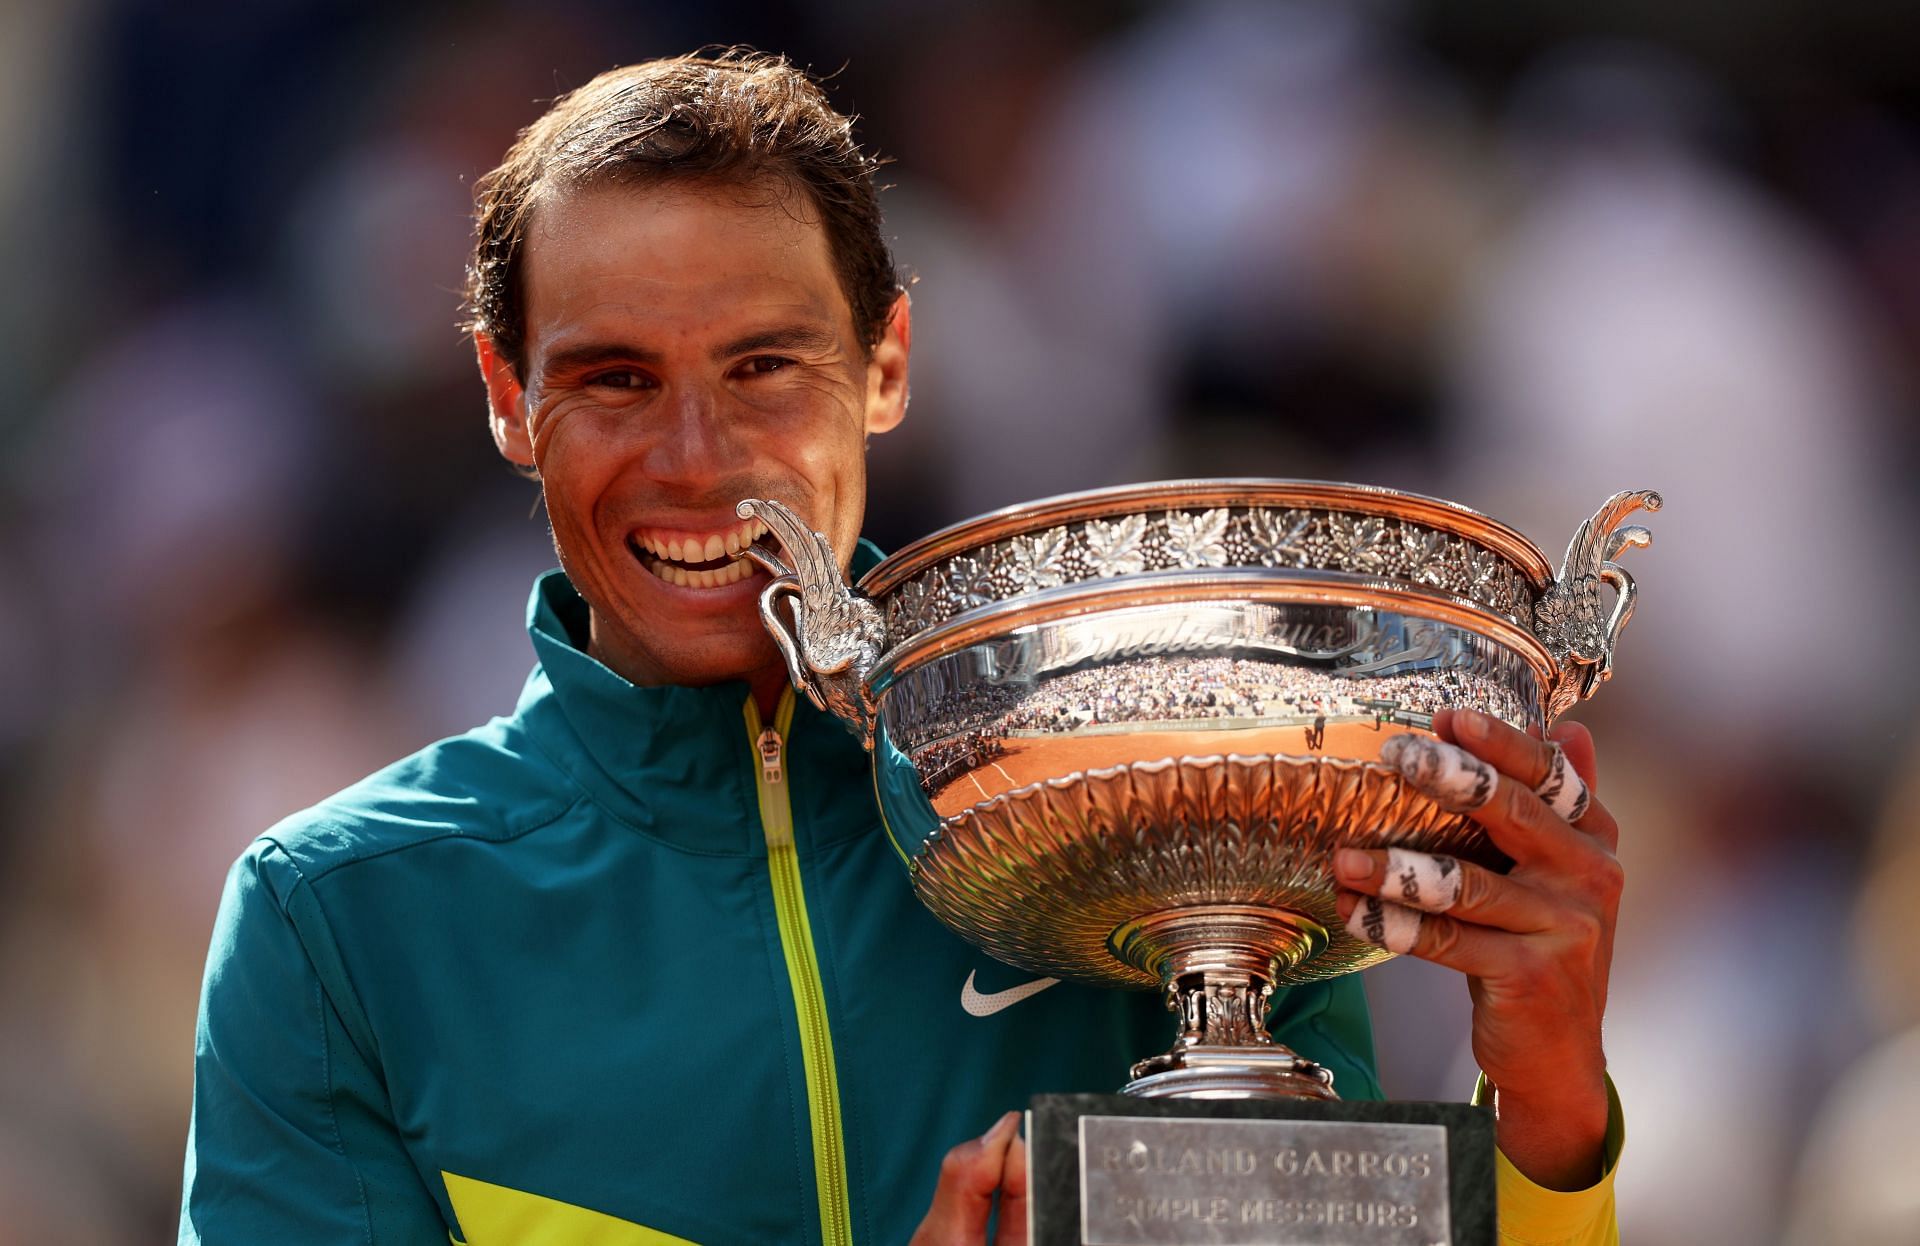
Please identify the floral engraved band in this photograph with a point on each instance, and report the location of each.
(1117, 736)
(1219, 538)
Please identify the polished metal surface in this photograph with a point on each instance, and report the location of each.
(1117, 735)
(1197, 1071)
(835, 636)
(1192, 1181)
(1254, 662)
(1296, 538)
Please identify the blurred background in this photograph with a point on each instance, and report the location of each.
(254, 540)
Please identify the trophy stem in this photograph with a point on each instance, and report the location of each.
(1218, 964)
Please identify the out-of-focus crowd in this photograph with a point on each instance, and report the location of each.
(255, 542)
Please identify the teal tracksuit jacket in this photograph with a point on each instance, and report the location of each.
(622, 968)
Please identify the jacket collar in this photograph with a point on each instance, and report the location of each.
(676, 763)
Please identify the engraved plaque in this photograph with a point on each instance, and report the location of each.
(1120, 1170)
(1183, 1180)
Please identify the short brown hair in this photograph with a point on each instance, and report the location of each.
(734, 115)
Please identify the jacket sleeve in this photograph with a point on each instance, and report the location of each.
(291, 1137)
(1532, 1215)
(1328, 1022)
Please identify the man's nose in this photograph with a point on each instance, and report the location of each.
(695, 442)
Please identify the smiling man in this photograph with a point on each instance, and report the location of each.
(636, 963)
(688, 343)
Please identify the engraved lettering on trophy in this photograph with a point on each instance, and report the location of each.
(1140, 1212)
(1337, 1163)
(1141, 1157)
(1235, 1181)
(1286, 1211)
(1252, 627)
(1352, 642)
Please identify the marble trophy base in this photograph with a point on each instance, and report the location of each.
(1120, 1170)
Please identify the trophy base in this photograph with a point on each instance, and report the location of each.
(1218, 964)
(1201, 1071)
(1119, 1170)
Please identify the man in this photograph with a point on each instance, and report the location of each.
(636, 964)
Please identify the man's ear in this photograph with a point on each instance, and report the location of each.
(506, 403)
(887, 370)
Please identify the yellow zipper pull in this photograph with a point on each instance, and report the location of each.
(769, 746)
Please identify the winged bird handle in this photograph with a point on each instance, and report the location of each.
(835, 635)
(1571, 618)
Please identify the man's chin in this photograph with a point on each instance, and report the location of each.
(767, 675)
(696, 657)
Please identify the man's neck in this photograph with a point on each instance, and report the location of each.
(767, 686)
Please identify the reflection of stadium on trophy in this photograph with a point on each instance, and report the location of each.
(1293, 710)
(1108, 689)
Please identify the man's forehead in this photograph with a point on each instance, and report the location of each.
(677, 255)
(720, 302)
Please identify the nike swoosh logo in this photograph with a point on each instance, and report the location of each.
(979, 1005)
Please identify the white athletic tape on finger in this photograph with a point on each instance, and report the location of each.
(1421, 880)
(1456, 779)
(1563, 790)
(1391, 926)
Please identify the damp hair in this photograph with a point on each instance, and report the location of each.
(730, 117)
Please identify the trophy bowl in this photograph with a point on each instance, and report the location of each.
(1118, 735)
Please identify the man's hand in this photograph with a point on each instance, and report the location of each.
(970, 1175)
(1536, 943)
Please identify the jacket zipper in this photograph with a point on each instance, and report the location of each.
(803, 968)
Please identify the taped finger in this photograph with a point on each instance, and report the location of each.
(1394, 927)
(1456, 779)
(1563, 790)
(1421, 880)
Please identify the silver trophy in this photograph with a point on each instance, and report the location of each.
(1118, 735)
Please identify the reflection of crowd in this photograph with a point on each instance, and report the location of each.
(960, 731)
(1198, 689)
(1213, 690)
(944, 761)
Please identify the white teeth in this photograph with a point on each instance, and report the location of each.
(718, 577)
(708, 549)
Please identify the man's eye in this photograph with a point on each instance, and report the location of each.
(761, 364)
(624, 378)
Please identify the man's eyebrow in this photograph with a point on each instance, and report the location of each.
(801, 337)
(592, 355)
